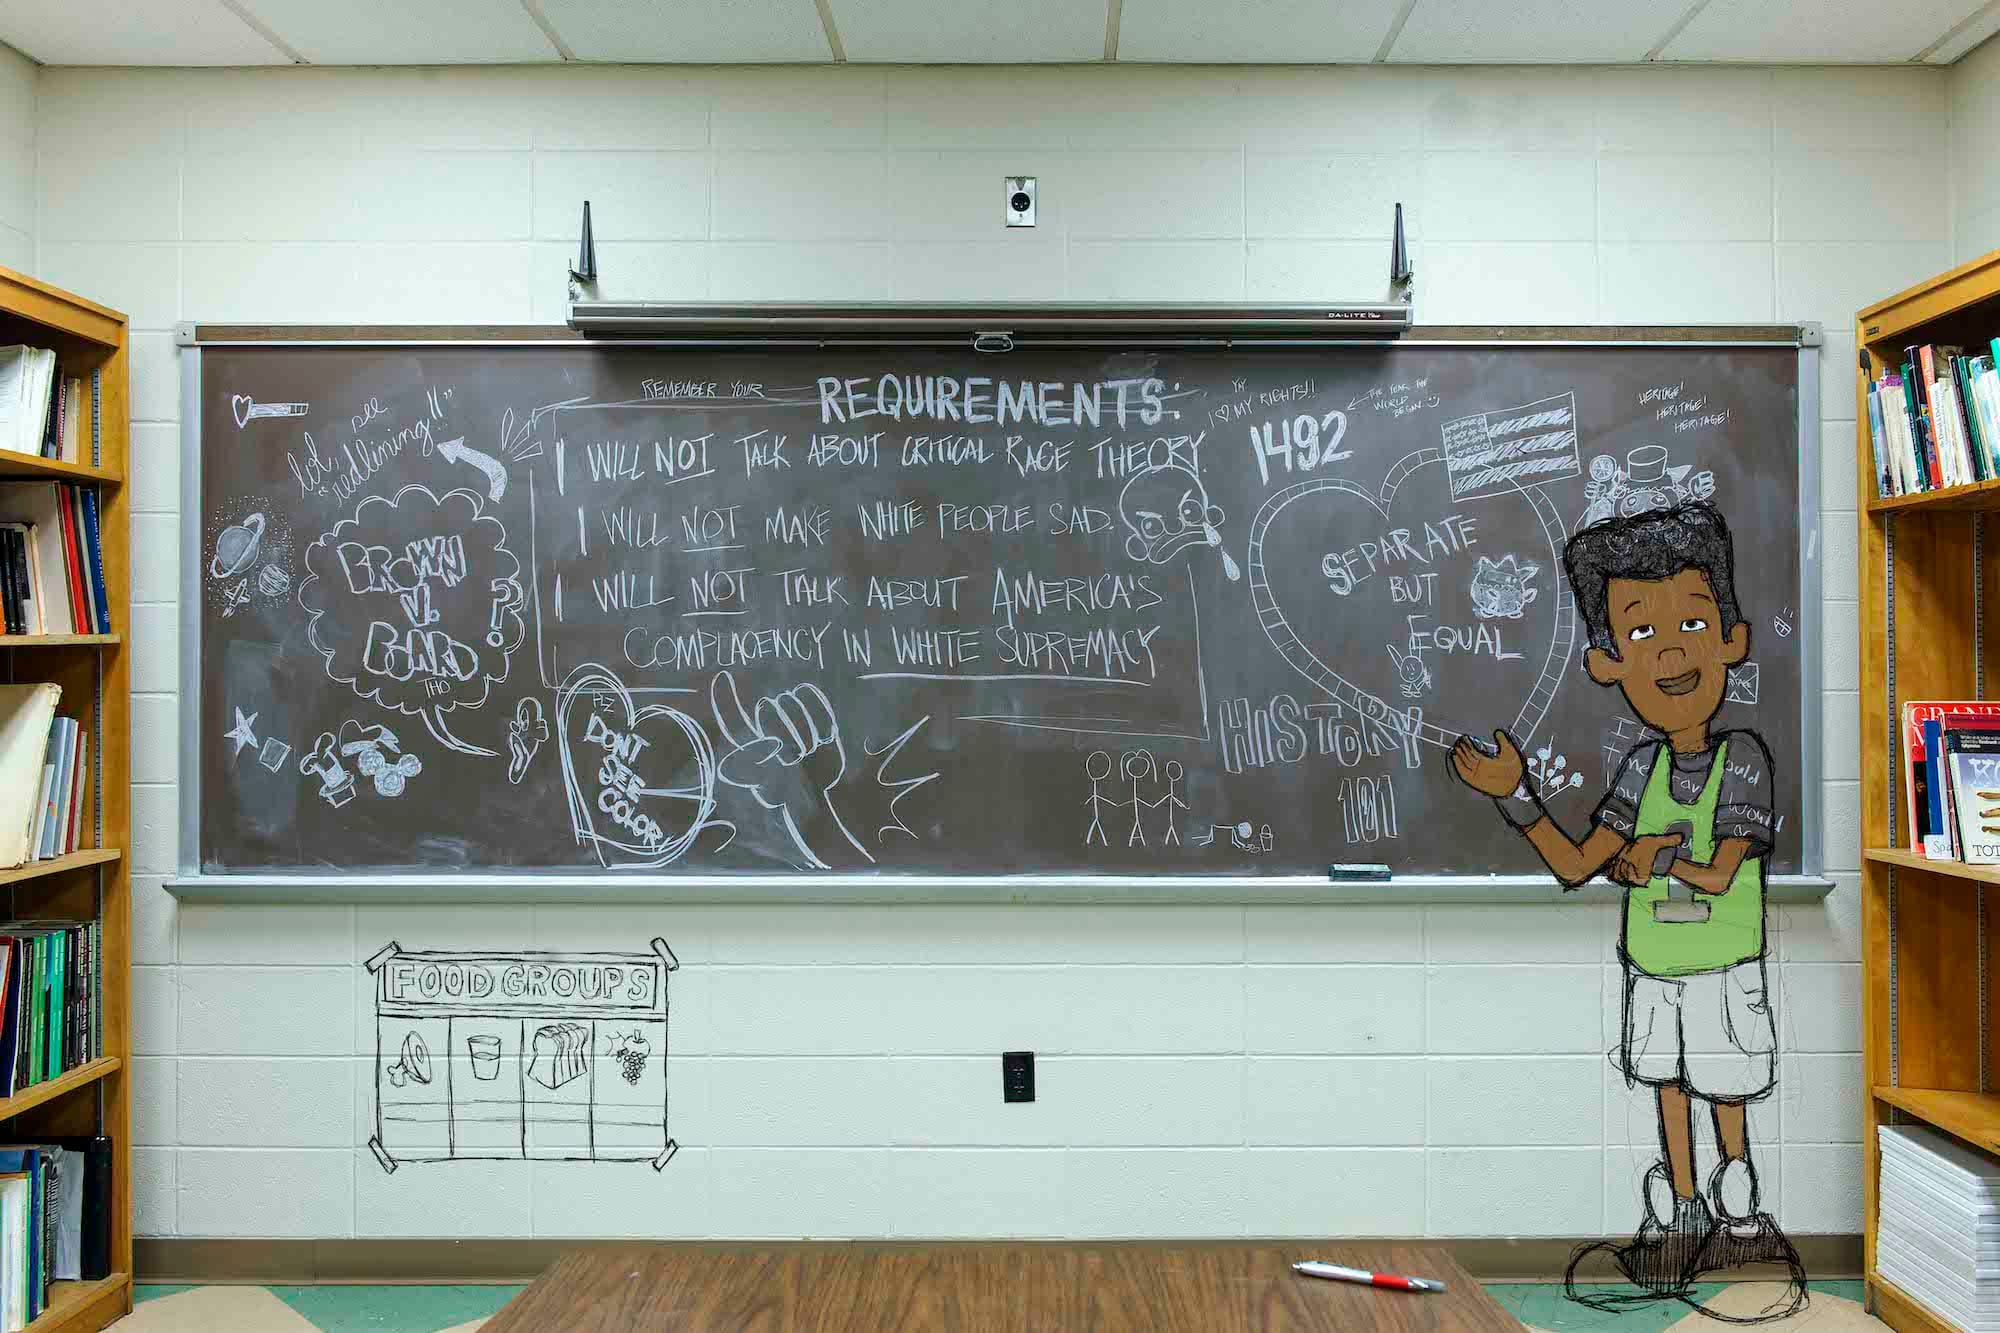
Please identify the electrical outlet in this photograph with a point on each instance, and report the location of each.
(1017, 1076)
(1020, 201)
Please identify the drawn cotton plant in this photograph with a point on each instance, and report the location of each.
(1551, 774)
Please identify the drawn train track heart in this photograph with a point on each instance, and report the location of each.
(1473, 639)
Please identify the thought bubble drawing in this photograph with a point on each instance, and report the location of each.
(416, 604)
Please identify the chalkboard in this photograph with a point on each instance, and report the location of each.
(920, 611)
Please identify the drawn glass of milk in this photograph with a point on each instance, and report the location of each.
(485, 1052)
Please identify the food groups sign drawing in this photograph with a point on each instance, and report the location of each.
(521, 1056)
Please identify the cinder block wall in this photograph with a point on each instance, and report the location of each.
(1205, 1071)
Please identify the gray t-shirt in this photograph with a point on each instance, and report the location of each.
(1742, 806)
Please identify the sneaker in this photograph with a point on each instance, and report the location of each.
(1661, 1255)
(1733, 1190)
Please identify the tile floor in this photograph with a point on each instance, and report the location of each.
(412, 1309)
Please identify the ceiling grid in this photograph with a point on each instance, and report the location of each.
(391, 32)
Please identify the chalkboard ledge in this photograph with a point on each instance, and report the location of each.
(1417, 890)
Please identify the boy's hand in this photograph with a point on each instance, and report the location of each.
(1634, 866)
(1497, 775)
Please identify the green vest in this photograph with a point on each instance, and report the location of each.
(1734, 930)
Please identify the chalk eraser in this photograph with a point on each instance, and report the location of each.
(1357, 871)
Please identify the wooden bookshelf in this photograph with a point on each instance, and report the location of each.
(76, 1307)
(22, 466)
(55, 640)
(1977, 495)
(1972, 1116)
(1900, 1310)
(1929, 1051)
(89, 856)
(1909, 860)
(94, 671)
(35, 1094)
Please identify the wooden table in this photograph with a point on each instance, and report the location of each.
(1146, 1287)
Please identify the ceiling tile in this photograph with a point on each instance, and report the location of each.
(689, 31)
(1251, 31)
(1530, 31)
(1962, 42)
(970, 31)
(1816, 31)
(120, 32)
(398, 32)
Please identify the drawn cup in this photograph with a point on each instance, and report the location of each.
(485, 1053)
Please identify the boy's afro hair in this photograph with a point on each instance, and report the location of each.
(1655, 545)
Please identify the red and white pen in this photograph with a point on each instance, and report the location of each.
(1335, 1273)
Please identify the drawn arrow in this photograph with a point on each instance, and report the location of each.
(457, 451)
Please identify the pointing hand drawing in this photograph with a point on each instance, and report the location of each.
(1634, 866)
(786, 751)
(1498, 774)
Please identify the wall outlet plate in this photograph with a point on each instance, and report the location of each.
(1017, 1076)
(1020, 201)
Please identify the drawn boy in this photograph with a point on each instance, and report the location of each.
(1686, 827)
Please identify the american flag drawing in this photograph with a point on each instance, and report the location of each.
(1494, 452)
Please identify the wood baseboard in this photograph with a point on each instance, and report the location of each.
(1826, 1257)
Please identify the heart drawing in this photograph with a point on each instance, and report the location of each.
(640, 781)
(240, 406)
(1383, 583)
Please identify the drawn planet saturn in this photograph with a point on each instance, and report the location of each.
(236, 548)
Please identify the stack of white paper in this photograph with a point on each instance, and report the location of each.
(27, 379)
(1939, 1233)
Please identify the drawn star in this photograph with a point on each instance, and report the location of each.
(241, 732)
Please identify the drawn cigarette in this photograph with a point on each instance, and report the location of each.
(247, 409)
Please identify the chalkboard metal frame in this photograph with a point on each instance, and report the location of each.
(193, 334)
(191, 885)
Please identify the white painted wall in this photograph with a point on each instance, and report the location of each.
(1205, 1070)
(1974, 84)
(17, 159)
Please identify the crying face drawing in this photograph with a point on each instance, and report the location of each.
(1502, 589)
(1166, 510)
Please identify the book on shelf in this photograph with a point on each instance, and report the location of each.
(1934, 421)
(49, 1008)
(51, 564)
(41, 408)
(55, 1221)
(1972, 777)
(1951, 753)
(44, 775)
(27, 714)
